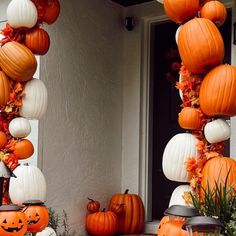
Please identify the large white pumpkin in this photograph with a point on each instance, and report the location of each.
(177, 195)
(48, 231)
(30, 184)
(217, 131)
(176, 152)
(35, 100)
(22, 13)
(19, 127)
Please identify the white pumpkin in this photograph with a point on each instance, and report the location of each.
(177, 195)
(160, 1)
(217, 131)
(22, 13)
(35, 100)
(48, 231)
(176, 152)
(19, 127)
(29, 184)
(177, 34)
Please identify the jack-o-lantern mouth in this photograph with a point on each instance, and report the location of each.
(32, 222)
(12, 229)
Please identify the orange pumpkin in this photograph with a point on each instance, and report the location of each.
(38, 41)
(214, 11)
(23, 149)
(37, 217)
(17, 61)
(201, 46)
(102, 223)
(4, 88)
(164, 220)
(12, 221)
(182, 10)
(93, 206)
(172, 228)
(218, 92)
(132, 219)
(51, 11)
(3, 140)
(190, 118)
(216, 171)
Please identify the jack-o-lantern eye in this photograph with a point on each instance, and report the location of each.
(20, 221)
(36, 214)
(5, 221)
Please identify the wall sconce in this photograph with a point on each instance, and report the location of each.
(234, 39)
(204, 226)
(129, 23)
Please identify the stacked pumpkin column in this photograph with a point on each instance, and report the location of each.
(23, 98)
(208, 89)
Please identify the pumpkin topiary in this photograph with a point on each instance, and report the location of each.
(201, 46)
(181, 10)
(216, 170)
(177, 197)
(17, 61)
(19, 127)
(190, 118)
(51, 11)
(102, 223)
(131, 221)
(93, 206)
(218, 92)
(4, 88)
(38, 41)
(214, 11)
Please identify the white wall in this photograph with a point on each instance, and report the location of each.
(80, 136)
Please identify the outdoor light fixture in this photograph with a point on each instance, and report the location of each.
(181, 211)
(203, 226)
(129, 23)
(234, 39)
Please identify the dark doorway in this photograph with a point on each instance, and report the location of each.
(165, 103)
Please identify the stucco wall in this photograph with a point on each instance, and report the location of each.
(80, 136)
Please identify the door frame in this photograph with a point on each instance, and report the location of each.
(145, 170)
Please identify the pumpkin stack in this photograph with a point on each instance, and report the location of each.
(23, 98)
(208, 90)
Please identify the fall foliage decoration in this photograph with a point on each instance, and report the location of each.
(131, 221)
(102, 223)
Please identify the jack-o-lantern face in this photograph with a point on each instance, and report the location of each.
(37, 218)
(12, 223)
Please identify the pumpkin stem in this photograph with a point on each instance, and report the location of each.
(90, 199)
(104, 209)
(126, 191)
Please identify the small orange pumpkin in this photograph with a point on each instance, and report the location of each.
(3, 140)
(164, 220)
(23, 149)
(214, 11)
(17, 61)
(93, 206)
(182, 10)
(132, 219)
(201, 46)
(51, 11)
(38, 41)
(172, 228)
(216, 170)
(37, 216)
(190, 118)
(4, 88)
(218, 92)
(12, 221)
(102, 223)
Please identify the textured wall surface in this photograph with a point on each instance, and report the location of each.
(80, 135)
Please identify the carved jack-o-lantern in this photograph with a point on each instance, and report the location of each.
(37, 216)
(12, 221)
